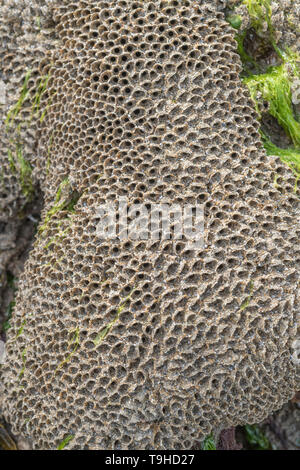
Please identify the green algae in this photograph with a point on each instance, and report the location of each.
(41, 89)
(235, 21)
(21, 168)
(23, 357)
(65, 442)
(260, 11)
(290, 156)
(209, 443)
(74, 344)
(25, 172)
(274, 86)
(246, 303)
(9, 312)
(256, 438)
(103, 333)
(15, 110)
(21, 329)
(61, 203)
(248, 62)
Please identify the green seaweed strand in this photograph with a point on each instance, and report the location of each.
(275, 88)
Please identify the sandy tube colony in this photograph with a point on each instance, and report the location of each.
(144, 343)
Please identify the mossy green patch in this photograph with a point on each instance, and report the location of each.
(23, 356)
(246, 303)
(15, 110)
(35, 101)
(256, 438)
(6, 324)
(290, 156)
(74, 344)
(65, 442)
(274, 87)
(38, 22)
(11, 161)
(209, 443)
(25, 172)
(21, 329)
(101, 336)
(235, 21)
(43, 114)
(41, 89)
(61, 203)
(22, 169)
(58, 237)
(18, 164)
(260, 11)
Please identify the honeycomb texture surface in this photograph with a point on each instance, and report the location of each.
(26, 35)
(147, 104)
(26, 31)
